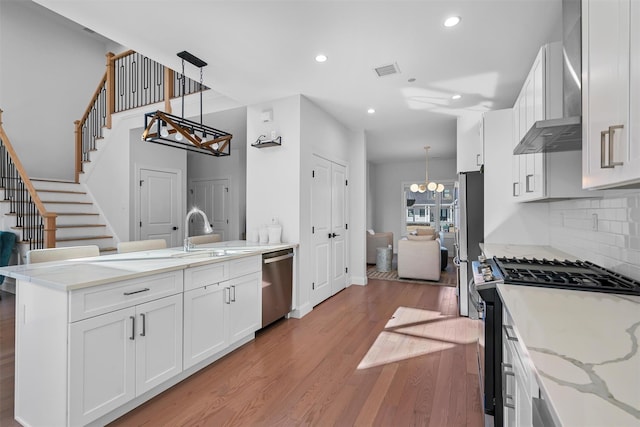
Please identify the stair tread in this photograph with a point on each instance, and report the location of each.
(108, 249)
(62, 226)
(66, 202)
(64, 181)
(70, 239)
(61, 191)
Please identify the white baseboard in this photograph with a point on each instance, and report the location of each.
(359, 280)
(299, 313)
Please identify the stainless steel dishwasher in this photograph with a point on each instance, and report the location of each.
(277, 285)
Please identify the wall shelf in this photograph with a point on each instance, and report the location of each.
(262, 143)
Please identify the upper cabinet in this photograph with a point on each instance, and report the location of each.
(610, 93)
(543, 176)
(470, 142)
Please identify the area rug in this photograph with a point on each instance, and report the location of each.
(447, 278)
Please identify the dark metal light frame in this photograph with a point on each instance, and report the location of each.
(196, 137)
(192, 134)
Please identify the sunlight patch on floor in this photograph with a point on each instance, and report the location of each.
(413, 332)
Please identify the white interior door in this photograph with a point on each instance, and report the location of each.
(212, 196)
(338, 227)
(160, 206)
(328, 220)
(321, 229)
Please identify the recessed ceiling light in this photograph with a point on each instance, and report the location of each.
(321, 58)
(371, 111)
(452, 21)
(456, 96)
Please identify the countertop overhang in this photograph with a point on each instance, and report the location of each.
(80, 273)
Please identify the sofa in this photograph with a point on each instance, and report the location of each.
(377, 240)
(419, 256)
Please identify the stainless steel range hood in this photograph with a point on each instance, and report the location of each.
(562, 134)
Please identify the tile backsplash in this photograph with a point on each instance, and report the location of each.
(605, 231)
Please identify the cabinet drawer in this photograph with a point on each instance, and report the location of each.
(198, 277)
(244, 266)
(88, 302)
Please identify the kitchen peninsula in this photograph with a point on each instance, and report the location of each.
(96, 337)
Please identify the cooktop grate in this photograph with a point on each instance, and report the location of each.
(564, 274)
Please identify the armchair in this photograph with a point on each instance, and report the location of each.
(377, 240)
(419, 257)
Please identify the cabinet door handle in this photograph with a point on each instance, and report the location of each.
(511, 337)
(136, 292)
(227, 296)
(478, 160)
(507, 399)
(516, 189)
(144, 324)
(612, 131)
(529, 188)
(603, 138)
(133, 328)
(233, 299)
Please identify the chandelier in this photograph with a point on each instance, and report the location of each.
(427, 185)
(173, 131)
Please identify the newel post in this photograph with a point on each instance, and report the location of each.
(78, 132)
(49, 230)
(111, 88)
(168, 89)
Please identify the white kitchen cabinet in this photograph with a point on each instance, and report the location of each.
(518, 384)
(540, 176)
(217, 313)
(122, 354)
(102, 357)
(610, 93)
(470, 142)
(534, 103)
(205, 323)
(244, 305)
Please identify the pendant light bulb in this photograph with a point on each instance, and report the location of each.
(440, 188)
(179, 136)
(215, 146)
(164, 132)
(432, 186)
(414, 188)
(422, 188)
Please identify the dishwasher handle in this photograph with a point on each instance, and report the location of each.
(278, 258)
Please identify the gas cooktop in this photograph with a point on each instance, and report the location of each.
(576, 275)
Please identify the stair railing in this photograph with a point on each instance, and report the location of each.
(38, 226)
(130, 81)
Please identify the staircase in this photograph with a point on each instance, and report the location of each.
(79, 222)
(50, 213)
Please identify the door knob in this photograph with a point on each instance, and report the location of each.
(330, 235)
(175, 228)
(334, 235)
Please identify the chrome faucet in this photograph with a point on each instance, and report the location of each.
(207, 227)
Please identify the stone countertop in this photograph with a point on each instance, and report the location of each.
(584, 350)
(524, 251)
(85, 272)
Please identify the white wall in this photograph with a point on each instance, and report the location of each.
(49, 69)
(273, 173)
(505, 220)
(386, 181)
(358, 208)
(234, 167)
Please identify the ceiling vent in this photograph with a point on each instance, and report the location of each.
(387, 70)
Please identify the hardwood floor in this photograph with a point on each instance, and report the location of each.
(358, 359)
